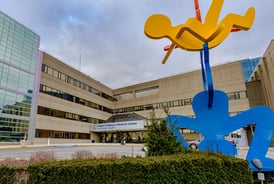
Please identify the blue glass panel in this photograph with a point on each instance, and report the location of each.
(248, 66)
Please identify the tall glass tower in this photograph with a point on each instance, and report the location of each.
(19, 80)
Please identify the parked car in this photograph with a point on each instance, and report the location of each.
(194, 144)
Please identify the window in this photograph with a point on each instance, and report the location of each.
(63, 77)
(124, 96)
(242, 94)
(187, 102)
(231, 96)
(50, 71)
(44, 68)
(176, 103)
(147, 91)
(55, 73)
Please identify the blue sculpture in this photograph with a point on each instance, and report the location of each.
(211, 106)
(214, 123)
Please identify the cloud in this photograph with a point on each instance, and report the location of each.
(109, 35)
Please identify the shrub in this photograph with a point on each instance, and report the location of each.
(160, 138)
(42, 156)
(107, 155)
(83, 154)
(192, 167)
(13, 171)
(13, 162)
(86, 154)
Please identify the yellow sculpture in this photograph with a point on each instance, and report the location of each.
(193, 34)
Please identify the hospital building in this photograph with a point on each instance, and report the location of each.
(43, 99)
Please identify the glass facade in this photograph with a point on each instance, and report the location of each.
(248, 66)
(18, 72)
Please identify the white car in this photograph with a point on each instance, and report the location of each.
(194, 144)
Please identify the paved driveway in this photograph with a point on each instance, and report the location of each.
(65, 151)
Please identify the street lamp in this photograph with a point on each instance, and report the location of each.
(258, 164)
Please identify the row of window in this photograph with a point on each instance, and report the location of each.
(18, 45)
(12, 130)
(68, 97)
(19, 34)
(13, 122)
(138, 93)
(16, 109)
(174, 103)
(21, 59)
(12, 25)
(75, 82)
(10, 42)
(67, 115)
(4, 129)
(18, 48)
(237, 95)
(7, 136)
(16, 104)
(147, 91)
(160, 105)
(15, 79)
(6, 21)
(39, 133)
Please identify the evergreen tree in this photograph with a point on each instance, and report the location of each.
(161, 139)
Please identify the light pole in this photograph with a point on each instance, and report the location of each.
(258, 164)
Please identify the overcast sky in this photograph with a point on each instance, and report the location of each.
(107, 36)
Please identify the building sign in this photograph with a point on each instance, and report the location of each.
(118, 126)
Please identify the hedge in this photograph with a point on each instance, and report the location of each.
(195, 167)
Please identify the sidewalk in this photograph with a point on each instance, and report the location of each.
(5, 147)
(246, 148)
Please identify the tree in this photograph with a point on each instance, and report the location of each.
(161, 139)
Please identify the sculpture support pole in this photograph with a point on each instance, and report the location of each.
(203, 69)
(206, 74)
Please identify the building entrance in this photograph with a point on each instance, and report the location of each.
(118, 137)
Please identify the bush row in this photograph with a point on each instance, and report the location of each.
(195, 167)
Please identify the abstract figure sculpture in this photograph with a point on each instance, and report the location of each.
(193, 34)
(214, 123)
(210, 106)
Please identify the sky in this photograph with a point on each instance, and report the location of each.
(105, 39)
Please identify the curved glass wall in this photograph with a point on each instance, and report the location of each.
(18, 68)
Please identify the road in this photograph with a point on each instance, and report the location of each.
(67, 150)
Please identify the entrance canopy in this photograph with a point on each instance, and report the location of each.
(120, 122)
